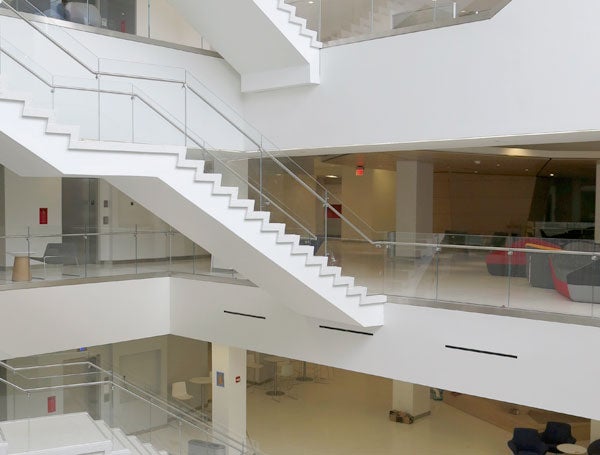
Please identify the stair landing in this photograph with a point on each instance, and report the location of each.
(69, 434)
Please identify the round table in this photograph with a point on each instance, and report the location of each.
(21, 268)
(572, 449)
(201, 381)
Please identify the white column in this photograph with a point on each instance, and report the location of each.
(229, 397)
(411, 398)
(594, 430)
(597, 215)
(414, 202)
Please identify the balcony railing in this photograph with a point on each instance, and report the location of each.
(75, 387)
(342, 21)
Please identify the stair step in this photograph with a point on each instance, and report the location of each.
(150, 448)
(126, 442)
(294, 239)
(374, 299)
(37, 112)
(118, 448)
(138, 445)
(259, 215)
(330, 270)
(273, 227)
(343, 281)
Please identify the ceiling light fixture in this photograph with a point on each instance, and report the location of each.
(331, 176)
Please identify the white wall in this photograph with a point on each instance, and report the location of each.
(482, 204)
(409, 347)
(24, 196)
(526, 71)
(113, 116)
(92, 314)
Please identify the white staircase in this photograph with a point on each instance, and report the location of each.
(263, 40)
(195, 203)
(70, 434)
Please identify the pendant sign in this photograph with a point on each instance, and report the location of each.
(43, 215)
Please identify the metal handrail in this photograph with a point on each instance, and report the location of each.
(183, 130)
(154, 400)
(324, 201)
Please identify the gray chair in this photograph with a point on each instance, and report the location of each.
(59, 254)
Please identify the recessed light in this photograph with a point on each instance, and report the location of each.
(551, 174)
(477, 162)
(476, 172)
(331, 176)
(497, 164)
(526, 170)
(311, 2)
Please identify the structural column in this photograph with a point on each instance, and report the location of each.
(229, 389)
(414, 202)
(597, 212)
(594, 430)
(411, 398)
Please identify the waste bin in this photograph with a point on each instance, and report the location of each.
(199, 447)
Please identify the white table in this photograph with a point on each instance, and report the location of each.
(21, 268)
(275, 359)
(201, 381)
(572, 449)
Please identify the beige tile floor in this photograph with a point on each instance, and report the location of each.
(346, 413)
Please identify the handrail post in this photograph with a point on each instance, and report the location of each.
(135, 237)
(260, 177)
(325, 207)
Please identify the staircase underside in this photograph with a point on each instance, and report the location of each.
(267, 44)
(196, 204)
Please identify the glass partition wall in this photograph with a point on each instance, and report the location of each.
(105, 409)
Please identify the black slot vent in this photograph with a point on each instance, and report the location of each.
(479, 351)
(235, 313)
(345, 330)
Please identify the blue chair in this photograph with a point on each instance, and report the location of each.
(526, 441)
(557, 433)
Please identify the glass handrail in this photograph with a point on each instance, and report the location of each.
(340, 21)
(33, 384)
(450, 268)
(266, 149)
(136, 93)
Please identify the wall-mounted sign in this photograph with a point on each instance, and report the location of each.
(51, 404)
(238, 379)
(220, 379)
(43, 215)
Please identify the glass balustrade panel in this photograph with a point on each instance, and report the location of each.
(410, 265)
(469, 272)
(22, 75)
(116, 252)
(341, 19)
(153, 250)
